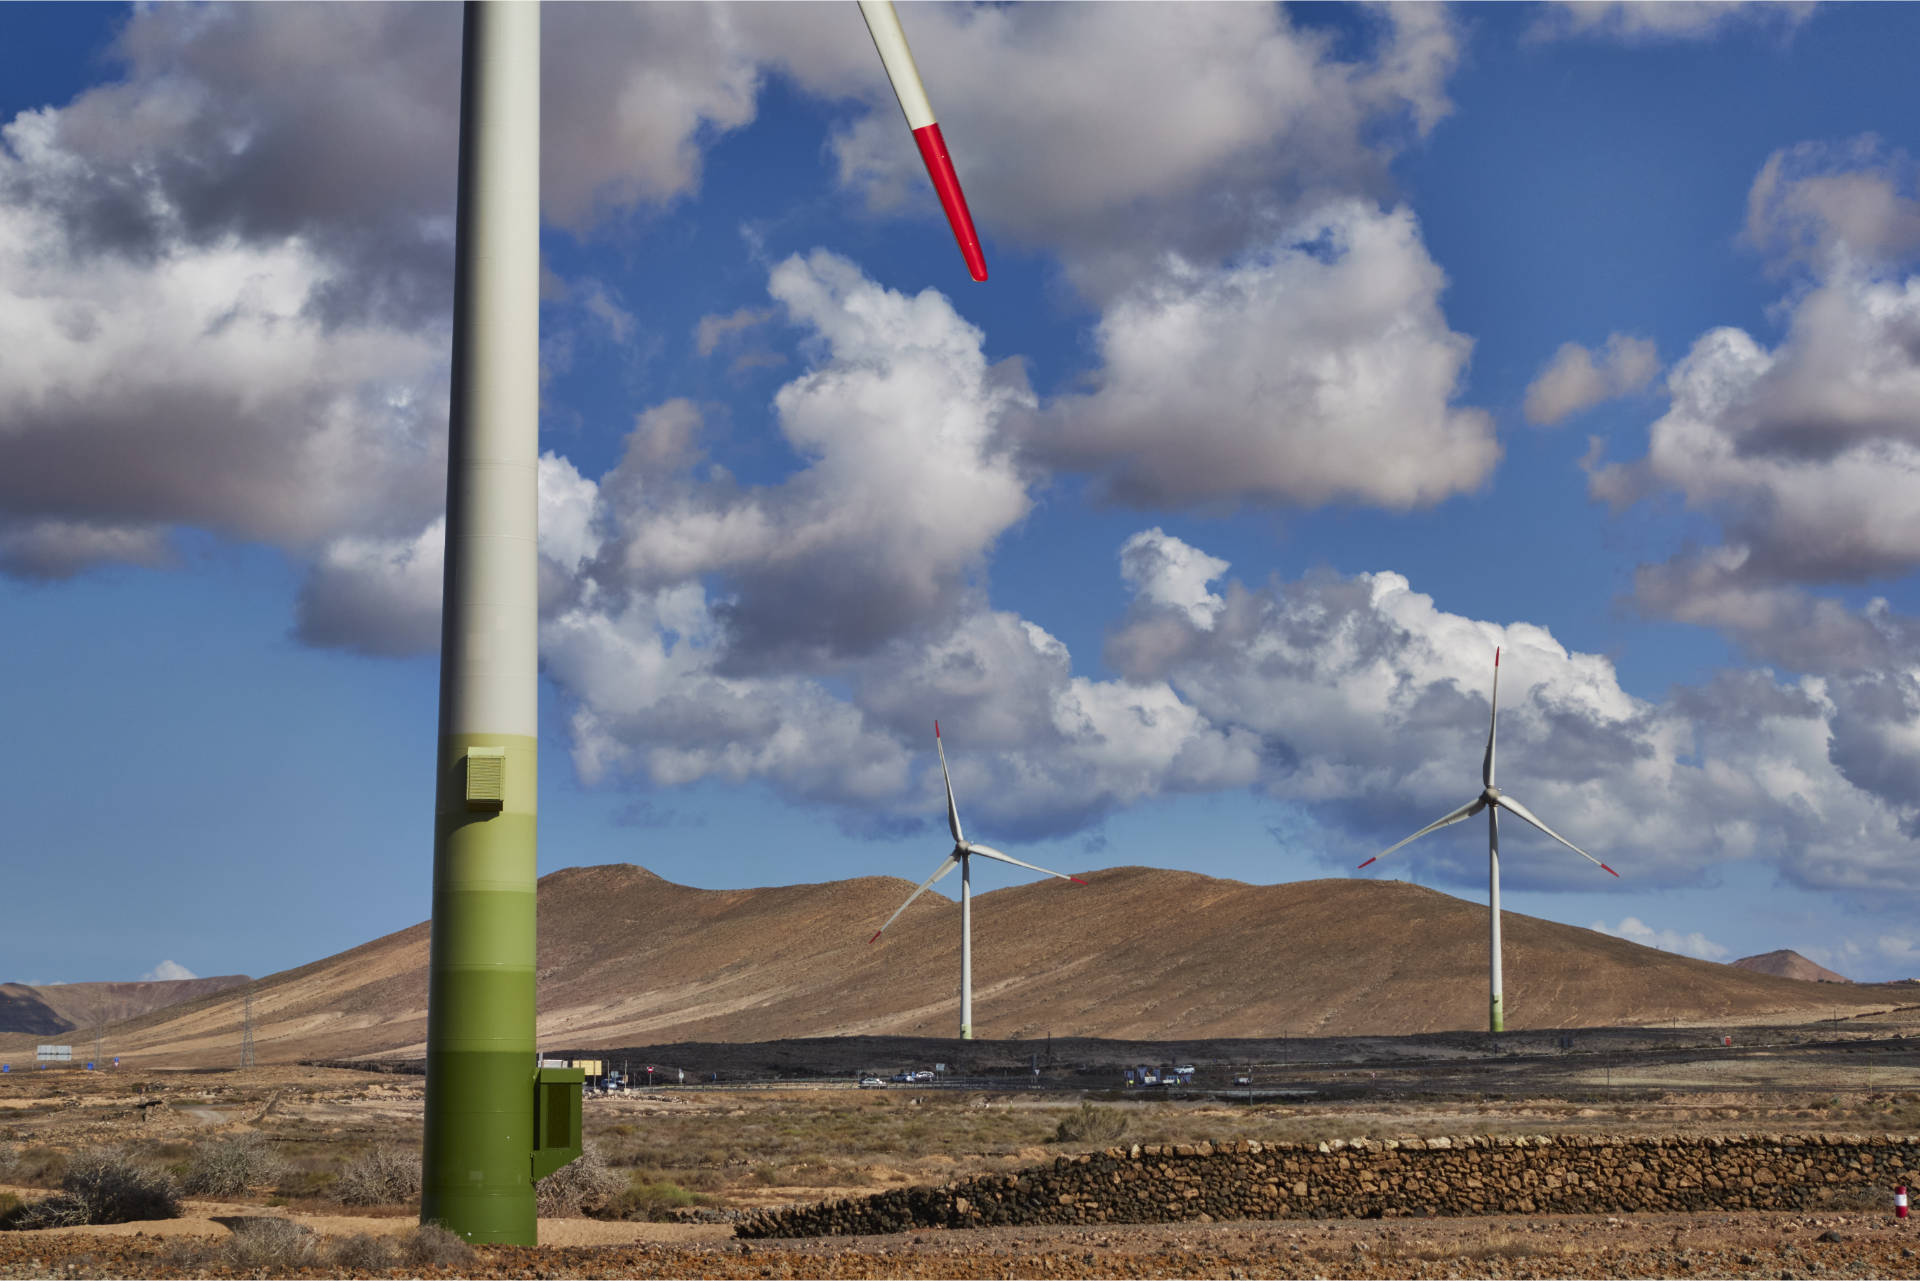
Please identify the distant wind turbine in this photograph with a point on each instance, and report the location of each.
(963, 850)
(1493, 800)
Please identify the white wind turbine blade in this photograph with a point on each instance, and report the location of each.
(1521, 811)
(984, 852)
(953, 813)
(947, 865)
(1493, 721)
(1468, 810)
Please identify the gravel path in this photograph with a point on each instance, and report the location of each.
(1705, 1245)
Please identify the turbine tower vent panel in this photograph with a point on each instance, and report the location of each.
(486, 778)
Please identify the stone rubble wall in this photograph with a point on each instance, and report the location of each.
(1368, 1178)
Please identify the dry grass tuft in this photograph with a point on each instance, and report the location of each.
(273, 1245)
(584, 1183)
(432, 1246)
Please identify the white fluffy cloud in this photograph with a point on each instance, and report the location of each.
(167, 972)
(1807, 453)
(1573, 380)
(1692, 943)
(1321, 371)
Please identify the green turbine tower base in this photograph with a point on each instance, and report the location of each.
(496, 1121)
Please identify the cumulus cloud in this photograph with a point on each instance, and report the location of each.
(1636, 21)
(1320, 371)
(1573, 380)
(167, 972)
(1806, 453)
(1824, 204)
(905, 484)
(1692, 943)
(1370, 706)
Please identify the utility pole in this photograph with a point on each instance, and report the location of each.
(246, 1030)
(496, 1120)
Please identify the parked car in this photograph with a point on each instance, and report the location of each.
(871, 1083)
(923, 1075)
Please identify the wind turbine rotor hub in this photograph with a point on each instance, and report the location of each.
(1491, 796)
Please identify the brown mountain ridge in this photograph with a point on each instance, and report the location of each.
(1789, 964)
(627, 958)
(48, 1009)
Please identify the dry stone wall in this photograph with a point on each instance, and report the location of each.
(1365, 1178)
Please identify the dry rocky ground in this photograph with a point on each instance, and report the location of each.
(692, 1158)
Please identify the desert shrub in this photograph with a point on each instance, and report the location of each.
(432, 1246)
(273, 1245)
(57, 1211)
(233, 1166)
(362, 1252)
(584, 1182)
(111, 1187)
(380, 1176)
(1090, 1123)
(653, 1199)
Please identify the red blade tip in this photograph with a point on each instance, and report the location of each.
(946, 183)
(876, 937)
(1496, 656)
(1374, 859)
(936, 729)
(1076, 880)
(1609, 870)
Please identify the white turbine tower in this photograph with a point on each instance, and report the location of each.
(963, 850)
(1493, 800)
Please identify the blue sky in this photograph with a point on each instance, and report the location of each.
(1325, 349)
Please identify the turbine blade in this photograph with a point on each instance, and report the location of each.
(953, 813)
(1468, 810)
(883, 24)
(951, 862)
(1493, 721)
(985, 852)
(1522, 811)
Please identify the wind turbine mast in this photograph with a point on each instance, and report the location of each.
(1493, 800)
(495, 1120)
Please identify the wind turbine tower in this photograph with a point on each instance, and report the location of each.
(496, 1119)
(963, 852)
(1493, 800)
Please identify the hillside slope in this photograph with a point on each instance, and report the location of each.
(627, 958)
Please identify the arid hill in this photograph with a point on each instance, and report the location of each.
(51, 1008)
(1789, 964)
(627, 958)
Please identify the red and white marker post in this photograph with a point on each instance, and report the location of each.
(1900, 1202)
(884, 26)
